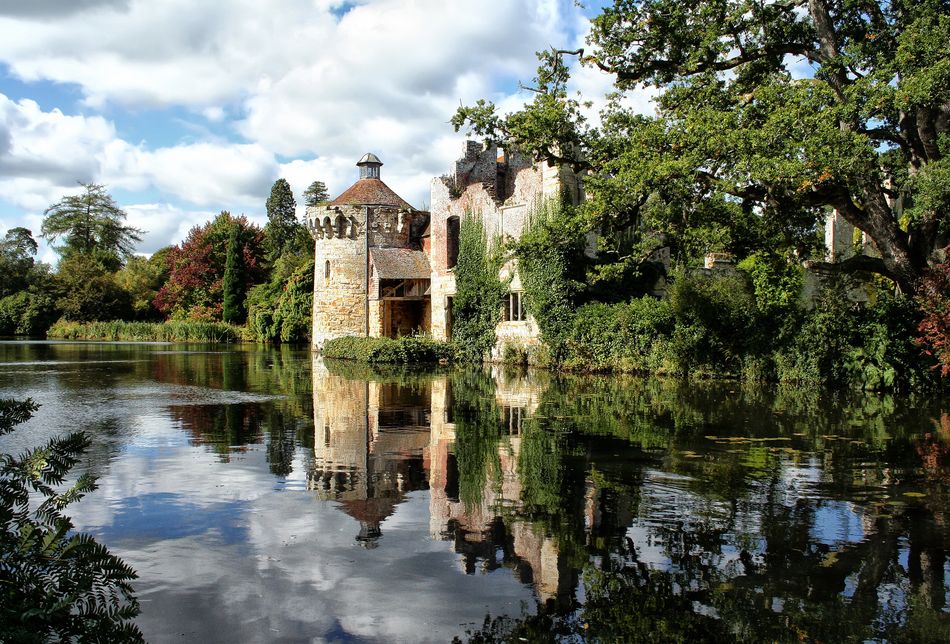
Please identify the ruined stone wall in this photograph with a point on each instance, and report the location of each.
(443, 279)
(519, 334)
(503, 193)
(389, 227)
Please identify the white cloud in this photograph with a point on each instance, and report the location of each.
(199, 173)
(308, 89)
(163, 224)
(40, 152)
(215, 114)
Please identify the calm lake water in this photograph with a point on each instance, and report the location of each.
(263, 496)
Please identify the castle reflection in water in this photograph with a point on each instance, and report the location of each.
(377, 441)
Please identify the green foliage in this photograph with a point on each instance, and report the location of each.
(548, 255)
(142, 279)
(281, 309)
(715, 322)
(55, 585)
(87, 290)
(552, 127)
(840, 343)
(194, 290)
(171, 331)
(627, 337)
(315, 194)
(27, 313)
(90, 224)
(16, 260)
(476, 306)
(404, 350)
(776, 282)
(282, 230)
(884, 355)
(232, 309)
(744, 151)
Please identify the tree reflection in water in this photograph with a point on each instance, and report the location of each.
(656, 510)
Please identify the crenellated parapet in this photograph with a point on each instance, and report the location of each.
(331, 222)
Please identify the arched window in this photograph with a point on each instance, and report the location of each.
(326, 270)
(340, 226)
(452, 242)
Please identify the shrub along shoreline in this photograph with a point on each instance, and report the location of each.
(416, 349)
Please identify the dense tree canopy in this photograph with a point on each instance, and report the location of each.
(280, 309)
(16, 260)
(195, 286)
(91, 223)
(86, 291)
(769, 115)
(142, 278)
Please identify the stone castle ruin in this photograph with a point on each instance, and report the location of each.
(386, 269)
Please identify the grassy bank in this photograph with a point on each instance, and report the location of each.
(414, 349)
(172, 331)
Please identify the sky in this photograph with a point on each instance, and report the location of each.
(183, 109)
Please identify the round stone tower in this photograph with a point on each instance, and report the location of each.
(368, 214)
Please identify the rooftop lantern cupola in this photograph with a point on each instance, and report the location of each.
(369, 166)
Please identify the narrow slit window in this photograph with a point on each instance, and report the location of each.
(326, 270)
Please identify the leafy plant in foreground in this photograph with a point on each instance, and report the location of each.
(55, 585)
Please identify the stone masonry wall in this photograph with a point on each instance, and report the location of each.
(503, 193)
(339, 301)
(340, 304)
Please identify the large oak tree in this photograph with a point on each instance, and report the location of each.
(772, 112)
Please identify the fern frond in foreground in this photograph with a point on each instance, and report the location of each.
(55, 584)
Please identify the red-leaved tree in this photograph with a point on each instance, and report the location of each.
(933, 298)
(196, 268)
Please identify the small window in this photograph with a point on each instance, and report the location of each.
(452, 242)
(326, 270)
(514, 310)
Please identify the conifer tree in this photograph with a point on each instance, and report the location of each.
(282, 225)
(233, 310)
(315, 193)
(91, 224)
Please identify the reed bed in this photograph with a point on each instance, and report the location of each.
(171, 331)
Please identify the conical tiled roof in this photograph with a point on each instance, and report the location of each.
(370, 189)
(370, 192)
